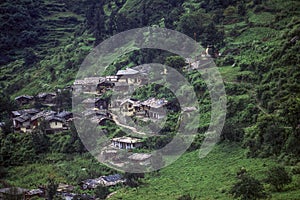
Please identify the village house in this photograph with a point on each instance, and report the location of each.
(130, 107)
(87, 85)
(155, 108)
(126, 142)
(34, 193)
(95, 103)
(96, 116)
(144, 69)
(62, 187)
(18, 113)
(24, 100)
(46, 98)
(39, 117)
(105, 181)
(111, 79)
(104, 86)
(129, 76)
(100, 120)
(22, 119)
(56, 123)
(22, 123)
(66, 115)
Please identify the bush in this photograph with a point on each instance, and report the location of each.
(248, 188)
(101, 192)
(278, 177)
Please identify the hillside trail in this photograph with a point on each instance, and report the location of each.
(133, 129)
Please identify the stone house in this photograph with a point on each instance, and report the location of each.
(126, 142)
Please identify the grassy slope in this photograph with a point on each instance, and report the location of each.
(207, 178)
(59, 50)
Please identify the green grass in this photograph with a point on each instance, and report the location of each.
(207, 178)
(229, 73)
(256, 33)
(64, 168)
(263, 18)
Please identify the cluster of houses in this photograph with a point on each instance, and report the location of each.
(124, 81)
(48, 99)
(65, 191)
(119, 82)
(28, 120)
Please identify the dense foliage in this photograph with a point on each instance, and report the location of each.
(43, 43)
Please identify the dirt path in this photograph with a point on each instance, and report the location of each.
(133, 129)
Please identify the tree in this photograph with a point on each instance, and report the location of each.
(132, 179)
(278, 177)
(176, 62)
(248, 188)
(193, 24)
(41, 142)
(51, 188)
(30, 57)
(101, 192)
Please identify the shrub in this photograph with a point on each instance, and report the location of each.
(278, 177)
(248, 188)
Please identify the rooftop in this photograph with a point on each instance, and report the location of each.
(127, 71)
(43, 95)
(155, 103)
(44, 113)
(134, 102)
(54, 118)
(24, 96)
(125, 139)
(25, 111)
(64, 114)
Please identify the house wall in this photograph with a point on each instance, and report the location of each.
(122, 145)
(56, 125)
(128, 109)
(156, 113)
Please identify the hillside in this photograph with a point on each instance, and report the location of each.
(257, 43)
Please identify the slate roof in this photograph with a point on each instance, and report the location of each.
(34, 192)
(23, 118)
(31, 111)
(155, 103)
(143, 69)
(44, 113)
(24, 96)
(43, 95)
(127, 71)
(133, 102)
(112, 178)
(64, 114)
(54, 118)
(102, 180)
(128, 140)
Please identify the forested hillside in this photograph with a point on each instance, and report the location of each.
(257, 45)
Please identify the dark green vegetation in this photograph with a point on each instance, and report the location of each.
(44, 42)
